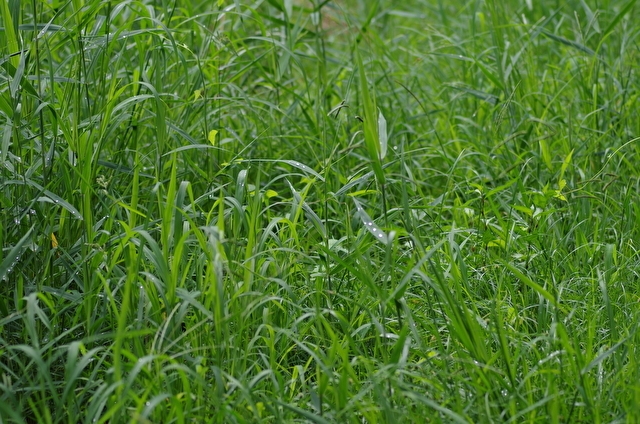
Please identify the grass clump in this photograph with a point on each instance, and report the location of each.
(319, 212)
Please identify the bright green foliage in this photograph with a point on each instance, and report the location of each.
(319, 211)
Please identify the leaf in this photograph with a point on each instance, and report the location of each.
(592, 18)
(9, 262)
(501, 188)
(313, 217)
(558, 193)
(401, 347)
(492, 77)
(525, 210)
(565, 165)
(361, 193)
(240, 183)
(569, 43)
(310, 416)
(212, 137)
(529, 282)
(288, 8)
(371, 140)
(604, 355)
(371, 226)
(487, 97)
(301, 166)
(382, 134)
(336, 110)
(49, 197)
(57, 200)
(546, 153)
(627, 7)
(10, 33)
(6, 139)
(364, 178)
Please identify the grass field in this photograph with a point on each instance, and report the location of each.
(357, 211)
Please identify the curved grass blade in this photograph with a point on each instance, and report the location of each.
(569, 43)
(301, 166)
(370, 225)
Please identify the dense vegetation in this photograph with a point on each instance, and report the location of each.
(328, 211)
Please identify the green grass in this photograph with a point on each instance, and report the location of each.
(332, 211)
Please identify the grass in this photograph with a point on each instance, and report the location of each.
(277, 211)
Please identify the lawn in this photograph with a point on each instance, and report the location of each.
(327, 211)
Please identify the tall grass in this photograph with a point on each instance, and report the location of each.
(321, 211)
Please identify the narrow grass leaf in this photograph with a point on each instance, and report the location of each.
(495, 79)
(569, 43)
(371, 139)
(626, 9)
(565, 165)
(303, 413)
(49, 197)
(6, 136)
(401, 347)
(371, 226)
(545, 152)
(419, 398)
(529, 282)
(9, 262)
(501, 188)
(360, 180)
(382, 134)
(304, 168)
(57, 200)
(10, 33)
(487, 97)
(603, 356)
(296, 164)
